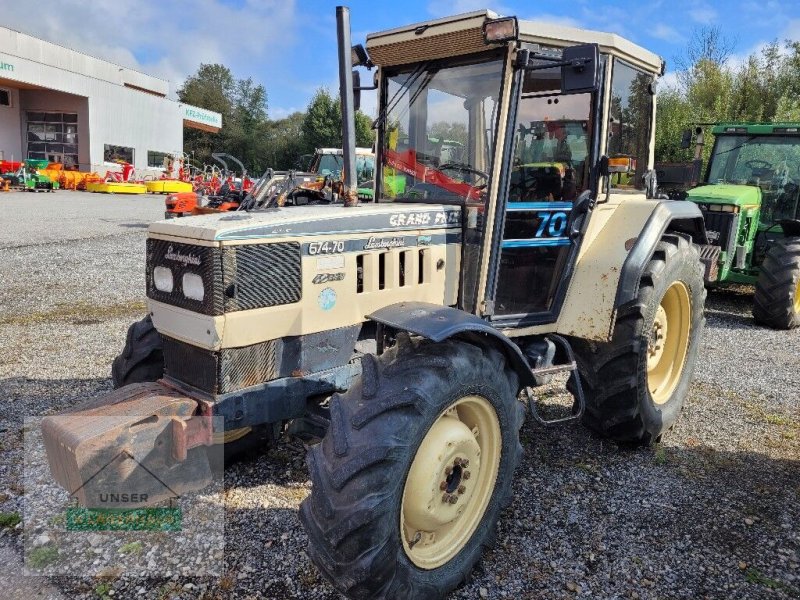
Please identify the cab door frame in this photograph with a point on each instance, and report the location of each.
(577, 223)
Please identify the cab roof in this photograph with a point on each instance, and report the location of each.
(757, 128)
(462, 34)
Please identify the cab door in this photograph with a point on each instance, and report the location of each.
(550, 168)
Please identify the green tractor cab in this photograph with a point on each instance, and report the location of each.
(750, 200)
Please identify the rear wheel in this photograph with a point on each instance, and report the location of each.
(635, 385)
(777, 299)
(416, 466)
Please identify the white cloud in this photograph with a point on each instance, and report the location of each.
(170, 39)
(664, 32)
(704, 14)
(669, 80)
(438, 8)
(554, 20)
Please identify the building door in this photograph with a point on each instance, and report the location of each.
(53, 134)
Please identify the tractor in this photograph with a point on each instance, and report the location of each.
(750, 200)
(404, 339)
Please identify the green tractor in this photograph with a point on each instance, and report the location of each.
(750, 200)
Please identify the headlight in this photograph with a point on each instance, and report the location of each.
(162, 278)
(193, 286)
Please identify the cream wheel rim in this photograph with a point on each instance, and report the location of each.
(797, 297)
(450, 482)
(669, 342)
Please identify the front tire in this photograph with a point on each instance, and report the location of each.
(635, 385)
(776, 302)
(392, 511)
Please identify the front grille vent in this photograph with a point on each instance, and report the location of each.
(234, 277)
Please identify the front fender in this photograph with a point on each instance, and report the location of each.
(438, 323)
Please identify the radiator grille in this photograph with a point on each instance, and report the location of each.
(261, 275)
(234, 277)
(720, 227)
(224, 371)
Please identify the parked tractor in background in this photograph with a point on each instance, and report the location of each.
(278, 187)
(410, 333)
(750, 199)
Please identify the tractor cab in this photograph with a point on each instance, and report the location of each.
(751, 194)
(510, 121)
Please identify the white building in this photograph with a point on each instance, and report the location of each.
(64, 106)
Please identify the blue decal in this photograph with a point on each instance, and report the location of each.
(521, 206)
(327, 299)
(555, 224)
(535, 243)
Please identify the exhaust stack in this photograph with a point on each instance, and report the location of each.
(348, 112)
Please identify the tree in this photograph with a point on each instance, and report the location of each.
(322, 126)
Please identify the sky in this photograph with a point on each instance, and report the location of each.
(289, 46)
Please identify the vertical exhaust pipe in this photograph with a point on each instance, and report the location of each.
(348, 112)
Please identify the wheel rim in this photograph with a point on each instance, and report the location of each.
(450, 482)
(669, 342)
(797, 297)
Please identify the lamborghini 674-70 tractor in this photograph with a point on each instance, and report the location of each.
(751, 203)
(410, 333)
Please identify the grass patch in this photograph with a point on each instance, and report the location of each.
(755, 576)
(40, 557)
(131, 548)
(9, 520)
(81, 312)
(102, 589)
(660, 456)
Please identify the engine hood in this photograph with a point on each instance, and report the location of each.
(726, 193)
(310, 220)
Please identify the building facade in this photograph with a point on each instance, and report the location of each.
(66, 107)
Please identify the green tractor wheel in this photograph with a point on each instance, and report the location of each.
(777, 299)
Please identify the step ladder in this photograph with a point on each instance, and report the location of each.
(579, 403)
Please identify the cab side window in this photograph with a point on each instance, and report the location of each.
(630, 123)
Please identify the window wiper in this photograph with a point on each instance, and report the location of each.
(398, 95)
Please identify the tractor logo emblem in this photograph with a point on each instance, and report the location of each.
(327, 299)
(185, 259)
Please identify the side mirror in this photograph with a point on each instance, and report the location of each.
(580, 73)
(686, 139)
(356, 91)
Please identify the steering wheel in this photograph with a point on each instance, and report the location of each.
(467, 169)
(757, 164)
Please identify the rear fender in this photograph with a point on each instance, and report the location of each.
(438, 323)
(673, 216)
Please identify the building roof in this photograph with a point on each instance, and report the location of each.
(27, 47)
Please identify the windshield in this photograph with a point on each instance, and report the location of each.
(439, 130)
(771, 162)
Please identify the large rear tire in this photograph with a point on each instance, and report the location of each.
(776, 302)
(416, 466)
(142, 358)
(635, 385)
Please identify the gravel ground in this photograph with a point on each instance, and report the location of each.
(712, 512)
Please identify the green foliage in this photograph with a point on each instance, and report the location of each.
(131, 548)
(711, 89)
(249, 134)
(322, 124)
(9, 520)
(102, 589)
(42, 556)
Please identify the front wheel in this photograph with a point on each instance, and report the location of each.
(416, 466)
(635, 385)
